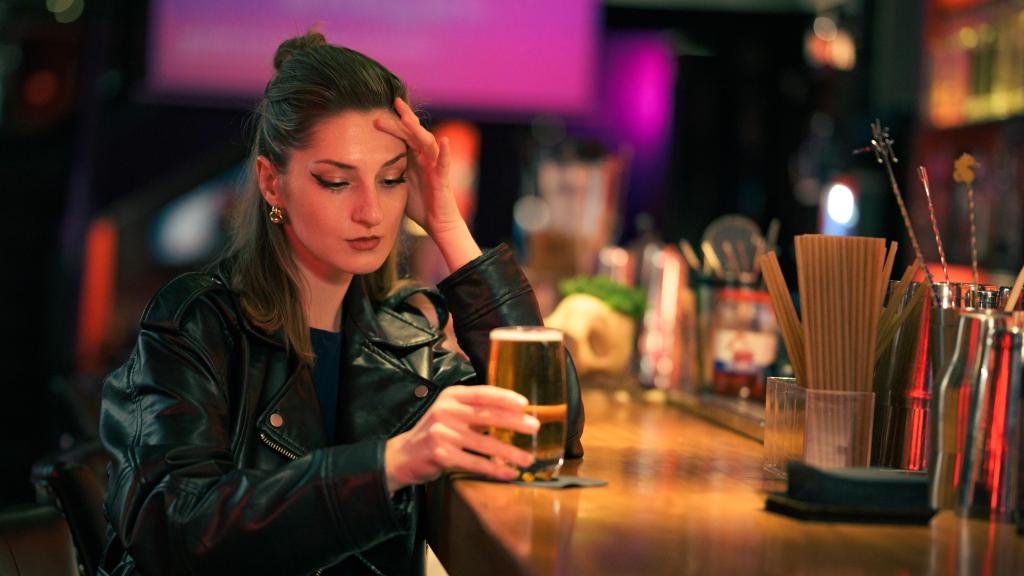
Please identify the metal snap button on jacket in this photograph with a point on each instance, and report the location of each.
(276, 420)
(420, 391)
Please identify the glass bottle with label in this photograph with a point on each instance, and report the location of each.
(745, 342)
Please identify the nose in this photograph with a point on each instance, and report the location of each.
(367, 210)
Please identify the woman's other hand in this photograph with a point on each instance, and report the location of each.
(441, 438)
(431, 202)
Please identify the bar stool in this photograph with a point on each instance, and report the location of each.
(34, 539)
(75, 480)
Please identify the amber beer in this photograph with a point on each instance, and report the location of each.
(531, 361)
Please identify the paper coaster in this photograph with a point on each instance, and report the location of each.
(557, 483)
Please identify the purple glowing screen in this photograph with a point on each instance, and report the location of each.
(522, 56)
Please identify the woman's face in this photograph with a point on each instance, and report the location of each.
(344, 196)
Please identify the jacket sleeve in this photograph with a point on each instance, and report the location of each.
(492, 291)
(178, 501)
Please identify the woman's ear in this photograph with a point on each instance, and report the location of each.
(268, 180)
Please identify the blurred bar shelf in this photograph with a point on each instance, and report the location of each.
(684, 496)
(743, 416)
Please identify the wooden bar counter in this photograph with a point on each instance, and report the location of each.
(684, 496)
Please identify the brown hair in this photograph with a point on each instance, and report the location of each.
(314, 80)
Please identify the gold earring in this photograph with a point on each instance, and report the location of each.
(276, 215)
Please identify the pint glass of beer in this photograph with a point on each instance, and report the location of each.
(531, 361)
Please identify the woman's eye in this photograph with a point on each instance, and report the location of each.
(392, 182)
(333, 185)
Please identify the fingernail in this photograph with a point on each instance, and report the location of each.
(533, 422)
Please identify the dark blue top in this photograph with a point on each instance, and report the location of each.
(327, 374)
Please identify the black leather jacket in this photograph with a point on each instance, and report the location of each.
(220, 461)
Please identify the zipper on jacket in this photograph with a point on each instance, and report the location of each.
(289, 455)
(293, 456)
(278, 448)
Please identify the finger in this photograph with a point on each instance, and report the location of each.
(483, 395)
(468, 416)
(444, 156)
(491, 418)
(420, 141)
(461, 460)
(482, 444)
(394, 127)
(424, 140)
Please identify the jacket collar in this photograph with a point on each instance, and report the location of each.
(222, 271)
(383, 327)
(357, 312)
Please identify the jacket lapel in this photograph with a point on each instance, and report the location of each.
(293, 418)
(382, 392)
(384, 385)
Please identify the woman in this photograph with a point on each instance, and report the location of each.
(279, 415)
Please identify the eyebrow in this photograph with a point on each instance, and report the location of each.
(344, 166)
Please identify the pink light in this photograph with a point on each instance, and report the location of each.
(529, 55)
(640, 85)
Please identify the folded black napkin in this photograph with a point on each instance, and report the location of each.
(871, 495)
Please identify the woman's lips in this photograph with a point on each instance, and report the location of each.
(365, 243)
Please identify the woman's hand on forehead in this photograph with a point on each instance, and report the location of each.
(431, 203)
(407, 128)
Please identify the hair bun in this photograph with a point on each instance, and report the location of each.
(292, 46)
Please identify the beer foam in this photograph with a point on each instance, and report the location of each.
(527, 334)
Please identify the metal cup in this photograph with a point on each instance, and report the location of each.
(976, 463)
(945, 310)
(660, 348)
(943, 319)
(951, 406)
(902, 393)
(967, 291)
(990, 475)
(1004, 295)
(984, 300)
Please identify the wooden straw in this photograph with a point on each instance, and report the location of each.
(841, 307)
(1011, 302)
(857, 297)
(886, 334)
(849, 276)
(803, 273)
(836, 290)
(860, 279)
(867, 277)
(826, 315)
(825, 356)
(890, 261)
(889, 312)
(873, 311)
(785, 312)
